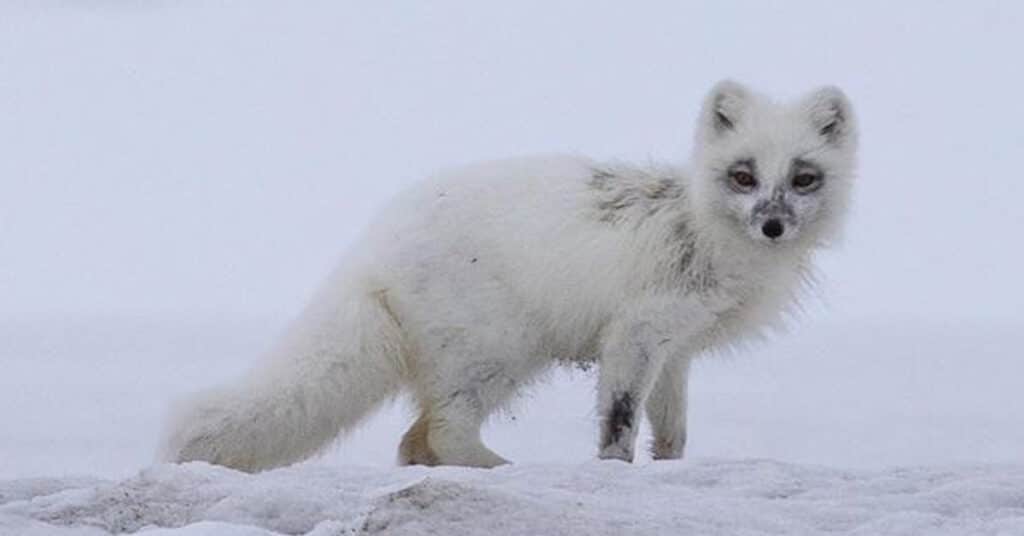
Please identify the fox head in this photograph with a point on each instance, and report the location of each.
(777, 174)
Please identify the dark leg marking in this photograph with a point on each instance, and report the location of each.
(619, 419)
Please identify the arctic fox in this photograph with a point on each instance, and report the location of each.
(475, 281)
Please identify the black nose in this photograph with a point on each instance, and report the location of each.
(772, 229)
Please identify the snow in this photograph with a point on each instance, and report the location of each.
(709, 496)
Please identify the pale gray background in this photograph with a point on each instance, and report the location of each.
(177, 177)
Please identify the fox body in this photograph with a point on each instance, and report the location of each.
(475, 281)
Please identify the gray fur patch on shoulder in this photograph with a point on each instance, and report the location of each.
(630, 197)
(696, 271)
(623, 194)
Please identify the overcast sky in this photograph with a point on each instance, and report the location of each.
(215, 158)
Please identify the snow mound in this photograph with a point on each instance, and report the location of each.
(735, 497)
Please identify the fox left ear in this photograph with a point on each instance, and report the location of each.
(831, 115)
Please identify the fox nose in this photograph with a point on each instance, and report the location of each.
(772, 229)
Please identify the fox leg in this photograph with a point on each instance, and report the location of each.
(636, 349)
(456, 430)
(453, 433)
(414, 449)
(624, 382)
(455, 408)
(666, 410)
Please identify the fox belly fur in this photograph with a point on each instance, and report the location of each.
(475, 281)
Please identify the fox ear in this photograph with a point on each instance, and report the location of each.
(830, 114)
(724, 108)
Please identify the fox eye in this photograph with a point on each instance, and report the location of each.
(743, 181)
(807, 182)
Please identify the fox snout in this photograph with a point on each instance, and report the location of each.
(773, 228)
(773, 217)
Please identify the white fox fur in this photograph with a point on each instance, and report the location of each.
(475, 281)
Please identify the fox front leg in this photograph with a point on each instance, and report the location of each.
(629, 365)
(666, 409)
(637, 350)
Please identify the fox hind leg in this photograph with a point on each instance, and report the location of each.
(454, 407)
(454, 433)
(414, 448)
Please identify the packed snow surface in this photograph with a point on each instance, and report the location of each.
(708, 496)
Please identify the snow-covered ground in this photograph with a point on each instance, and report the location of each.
(707, 497)
(870, 428)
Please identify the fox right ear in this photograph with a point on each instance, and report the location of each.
(724, 107)
(831, 114)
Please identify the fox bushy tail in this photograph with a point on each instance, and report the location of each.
(340, 360)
